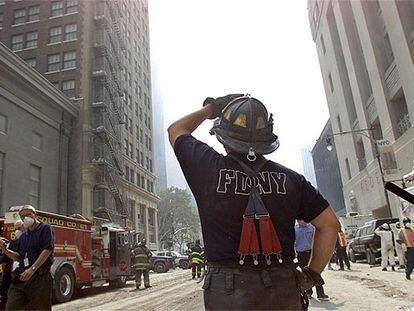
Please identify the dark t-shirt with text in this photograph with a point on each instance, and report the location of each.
(221, 190)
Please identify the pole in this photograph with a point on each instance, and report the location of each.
(383, 179)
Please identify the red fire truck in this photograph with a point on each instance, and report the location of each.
(87, 252)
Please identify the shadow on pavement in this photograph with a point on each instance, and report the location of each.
(325, 305)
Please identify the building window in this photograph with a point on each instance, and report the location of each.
(142, 182)
(71, 6)
(137, 152)
(19, 16)
(132, 176)
(53, 62)
(70, 32)
(55, 34)
(31, 62)
(17, 42)
(34, 190)
(57, 8)
(36, 141)
(69, 60)
(141, 157)
(348, 168)
(131, 151)
(338, 118)
(1, 20)
(330, 82)
(126, 147)
(130, 125)
(323, 45)
(138, 180)
(68, 88)
(33, 14)
(3, 124)
(31, 39)
(1, 177)
(127, 173)
(141, 136)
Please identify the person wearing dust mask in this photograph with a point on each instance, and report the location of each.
(34, 252)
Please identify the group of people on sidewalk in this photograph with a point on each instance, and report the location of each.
(398, 239)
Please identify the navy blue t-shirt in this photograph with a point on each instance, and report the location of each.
(33, 243)
(221, 190)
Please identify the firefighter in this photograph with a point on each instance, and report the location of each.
(141, 263)
(387, 247)
(406, 239)
(241, 197)
(32, 281)
(196, 255)
(341, 244)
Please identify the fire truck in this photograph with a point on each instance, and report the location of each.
(87, 252)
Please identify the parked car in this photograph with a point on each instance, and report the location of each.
(366, 243)
(179, 259)
(161, 264)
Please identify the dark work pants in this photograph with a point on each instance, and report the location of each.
(342, 257)
(409, 257)
(303, 259)
(138, 274)
(35, 294)
(248, 289)
(196, 269)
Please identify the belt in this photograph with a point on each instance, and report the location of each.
(42, 270)
(232, 264)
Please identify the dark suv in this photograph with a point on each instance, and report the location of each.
(366, 243)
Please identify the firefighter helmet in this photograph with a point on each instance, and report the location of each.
(246, 127)
(406, 220)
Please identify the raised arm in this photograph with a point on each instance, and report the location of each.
(326, 232)
(189, 123)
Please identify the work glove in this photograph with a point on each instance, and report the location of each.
(308, 279)
(219, 103)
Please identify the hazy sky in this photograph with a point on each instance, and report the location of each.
(260, 47)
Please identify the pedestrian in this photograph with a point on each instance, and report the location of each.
(406, 239)
(196, 254)
(303, 245)
(141, 263)
(341, 254)
(32, 281)
(387, 246)
(396, 227)
(242, 193)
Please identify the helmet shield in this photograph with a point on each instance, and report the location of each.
(245, 125)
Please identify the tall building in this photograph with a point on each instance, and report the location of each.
(366, 53)
(160, 130)
(35, 129)
(307, 163)
(97, 53)
(327, 173)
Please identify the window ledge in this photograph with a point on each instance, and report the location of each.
(67, 69)
(68, 14)
(32, 22)
(54, 43)
(50, 72)
(16, 25)
(71, 40)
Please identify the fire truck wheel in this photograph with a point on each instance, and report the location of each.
(160, 267)
(64, 285)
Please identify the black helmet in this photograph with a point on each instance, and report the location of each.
(406, 219)
(245, 127)
(197, 242)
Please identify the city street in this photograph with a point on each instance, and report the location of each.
(362, 288)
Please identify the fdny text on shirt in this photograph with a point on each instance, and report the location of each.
(239, 182)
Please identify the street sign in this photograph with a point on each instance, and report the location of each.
(387, 157)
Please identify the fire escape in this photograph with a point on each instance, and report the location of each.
(107, 112)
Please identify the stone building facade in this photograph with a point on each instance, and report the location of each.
(97, 53)
(366, 54)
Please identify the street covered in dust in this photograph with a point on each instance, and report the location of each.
(362, 288)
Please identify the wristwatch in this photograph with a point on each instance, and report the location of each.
(33, 268)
